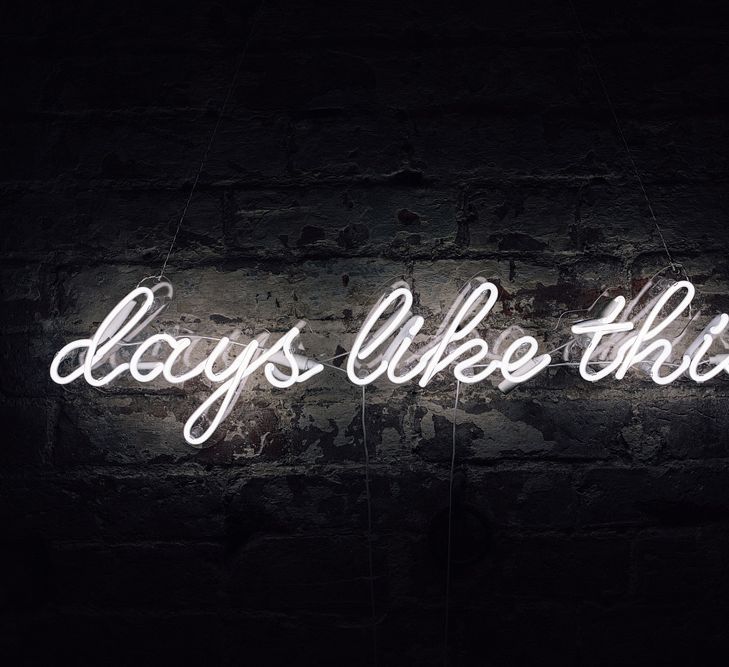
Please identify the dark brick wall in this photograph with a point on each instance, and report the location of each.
(362, 143)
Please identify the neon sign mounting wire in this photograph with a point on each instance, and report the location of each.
(451, 474)
(624, 141)
(370, 557)
(231, 87)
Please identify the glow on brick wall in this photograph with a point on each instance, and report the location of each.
(658, 334)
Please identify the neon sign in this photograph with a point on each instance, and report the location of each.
(390, 345)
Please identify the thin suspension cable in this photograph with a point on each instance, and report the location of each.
(370, 558)
(204, 159)
(593, 61)
(450, 525)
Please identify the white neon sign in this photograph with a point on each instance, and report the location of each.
(123, 321)
(440, 353)
(624, 336)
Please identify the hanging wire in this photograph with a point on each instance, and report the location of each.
(369, 532)
(450, 529)
(593, 62)
(231, 87)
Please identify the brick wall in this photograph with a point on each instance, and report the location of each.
(361, 144)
